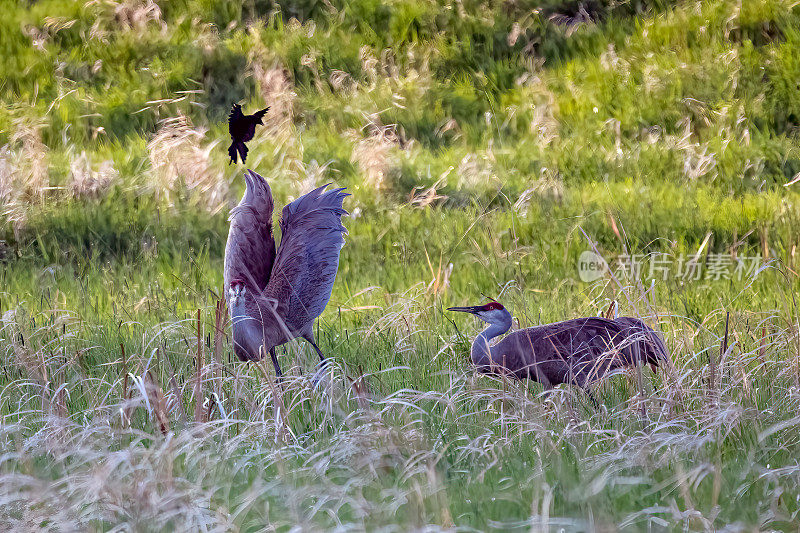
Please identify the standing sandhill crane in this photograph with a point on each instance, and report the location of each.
(275, 296)
(578, 351)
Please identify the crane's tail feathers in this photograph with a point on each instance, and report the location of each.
(644, 343)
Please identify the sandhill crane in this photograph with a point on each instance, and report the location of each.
(242, 128)
(578, 351)
(275, 296)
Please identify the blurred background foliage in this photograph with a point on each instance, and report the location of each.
(679, 118)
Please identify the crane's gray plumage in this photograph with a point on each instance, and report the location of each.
(274, 295)
(250, 250)
(578, 351)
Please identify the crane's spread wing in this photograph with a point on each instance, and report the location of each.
(250, 251)
(308, 256)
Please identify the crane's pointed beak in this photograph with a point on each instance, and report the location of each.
(469, 309)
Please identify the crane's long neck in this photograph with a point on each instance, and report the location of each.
(481, 350)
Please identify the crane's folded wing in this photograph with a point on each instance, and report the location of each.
(250, 250)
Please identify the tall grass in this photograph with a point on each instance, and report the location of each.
(400, 432)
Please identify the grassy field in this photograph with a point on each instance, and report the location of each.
(486, 145)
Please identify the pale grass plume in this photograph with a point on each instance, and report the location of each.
(137, 14)
(369, 64)
(33, 156)
(305, 177)
(548, 186)
(125, 15)
(86, 181)
(540, 109)
(422, 197)
(278, 92)
(180, 158)
(698, 159)
(11, 197)
(476, 172)
(24, 177)
(374, 151)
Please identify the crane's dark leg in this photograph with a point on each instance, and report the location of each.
(275, 363)
(323, 361)
(322, 357)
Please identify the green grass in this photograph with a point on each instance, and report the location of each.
(486, 146)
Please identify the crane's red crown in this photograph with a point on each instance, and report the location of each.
(491, 306)
(237, 281)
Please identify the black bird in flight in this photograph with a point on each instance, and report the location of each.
(242, 128)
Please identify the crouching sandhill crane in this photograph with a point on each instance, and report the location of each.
(274, 297)
(578, 351)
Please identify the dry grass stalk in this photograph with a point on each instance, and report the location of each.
(281, 426)
(611, 312)
(124, 371)
(762, 345)
(440, 278)
(220, 325)
(361, 390)
(178, 159)
(176, 399)
(427, 197)
(198, 375)
(127, 394)
(158, 402)
(60, 403)
(25, 357)
(614, 227)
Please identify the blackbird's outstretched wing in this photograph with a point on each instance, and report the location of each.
(250, 251)
(308, 256)
(258, 116)
(250, 122)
